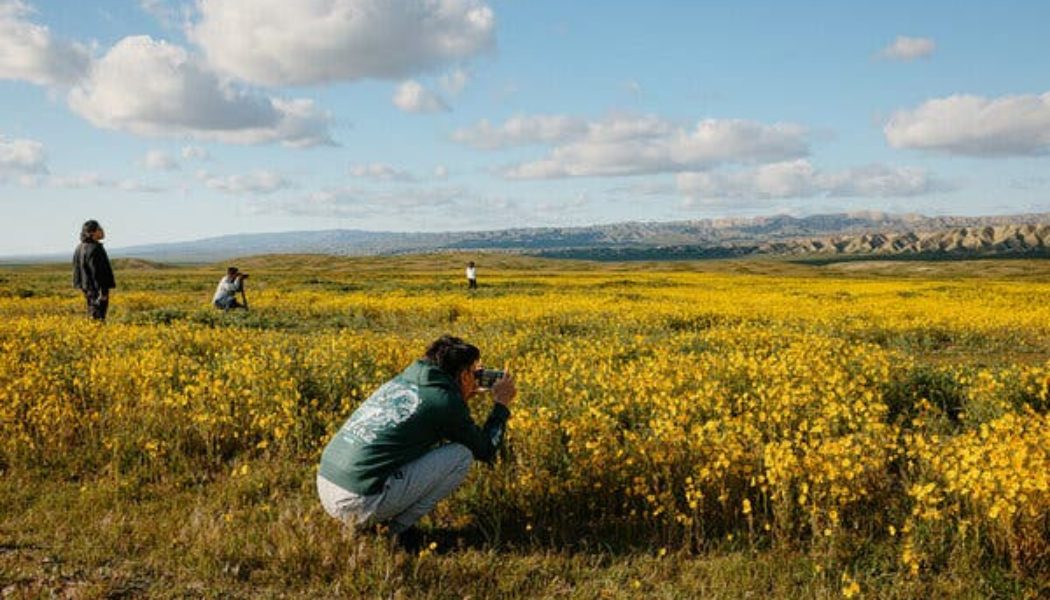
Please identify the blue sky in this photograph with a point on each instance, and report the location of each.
(177, 120)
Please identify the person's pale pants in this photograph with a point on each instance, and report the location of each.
(408, 493)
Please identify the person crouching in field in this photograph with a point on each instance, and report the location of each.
(226, 293)
(411, 443)
(92, 273)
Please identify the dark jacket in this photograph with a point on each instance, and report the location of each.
(91, 269)
(403, 420)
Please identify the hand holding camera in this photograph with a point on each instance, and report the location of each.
(487, 377)
(500, 382)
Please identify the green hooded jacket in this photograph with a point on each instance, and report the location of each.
(400, 422)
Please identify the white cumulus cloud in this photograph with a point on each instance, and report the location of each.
(454, 81)
(356, 202)
(20, 157)
(381, 172)
(167, 13)
(521, 130)
(79, 180)
(908, 48)
(975, 126)
(800, 179)
(276, 42)
(258, 182)
(154, 88)
(640, 145)
(412, 97)
(92, 179)
(131, 185)
(195, 153)
(421, 209)
(28, 52)
(159, 160)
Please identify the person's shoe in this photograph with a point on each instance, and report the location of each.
(410, 540)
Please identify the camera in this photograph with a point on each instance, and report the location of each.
(487, 377)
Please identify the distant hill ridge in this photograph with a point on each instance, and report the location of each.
(990, 239)
(832, 234)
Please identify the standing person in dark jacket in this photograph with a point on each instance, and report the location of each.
(92, 273)
(389, 463)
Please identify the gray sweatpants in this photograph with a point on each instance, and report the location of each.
(408, 493)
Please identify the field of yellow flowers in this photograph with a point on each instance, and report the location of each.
(888, 432)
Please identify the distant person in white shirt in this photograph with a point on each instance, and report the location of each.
(226, 294)
(472, 276)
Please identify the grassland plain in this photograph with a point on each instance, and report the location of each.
(717, 429)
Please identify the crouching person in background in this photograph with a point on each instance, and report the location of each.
(228, 288)
(411, 443)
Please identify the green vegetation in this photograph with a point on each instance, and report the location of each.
(135, 492)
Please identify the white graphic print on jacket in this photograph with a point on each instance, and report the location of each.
(393, 403)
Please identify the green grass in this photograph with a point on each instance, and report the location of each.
(266, 536)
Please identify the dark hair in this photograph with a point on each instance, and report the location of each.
(231, 270)
(89, 228)
(452, 355)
